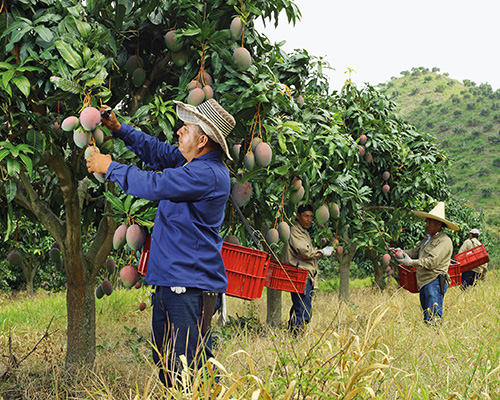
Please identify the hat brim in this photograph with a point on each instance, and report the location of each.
(189, 114)
(448, 224)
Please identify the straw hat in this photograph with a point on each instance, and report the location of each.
(437, 213)
(215, 122)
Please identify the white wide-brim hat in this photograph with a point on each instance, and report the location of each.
(474, 231)
(215, 122)
(438, 214)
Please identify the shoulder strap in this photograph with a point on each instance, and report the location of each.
(296, 254)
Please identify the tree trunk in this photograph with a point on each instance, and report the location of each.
(29, 271)
(345, 265)
(273, 307)
(377, 268)
(81, 337)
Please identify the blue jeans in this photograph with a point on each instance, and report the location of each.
(431, 300)
(177, 330)
(301, 311)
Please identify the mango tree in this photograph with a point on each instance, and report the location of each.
(62, 57)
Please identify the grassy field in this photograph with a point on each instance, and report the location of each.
(374, 346)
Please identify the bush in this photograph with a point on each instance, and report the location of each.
(457, 113)
(458, 129)
(488, 127)
(484, 112)
(428, 78)
(496, 162)
(443, 128)
(472, 121)
(476, 132)
(493, 139)
(440, 88)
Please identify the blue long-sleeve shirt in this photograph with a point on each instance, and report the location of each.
(185, 244)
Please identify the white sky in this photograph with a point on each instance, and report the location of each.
(380, 38)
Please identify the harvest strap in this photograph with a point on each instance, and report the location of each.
(245, 222)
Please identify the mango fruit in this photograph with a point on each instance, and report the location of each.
(90, 118)
(129, 276)
(242, 59)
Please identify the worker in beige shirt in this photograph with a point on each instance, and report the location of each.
(299, 251)
(470, 277)
(432, 259)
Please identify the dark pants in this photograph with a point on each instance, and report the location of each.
(431, 300)
(469, 278)
(301, 311)
(176, 331)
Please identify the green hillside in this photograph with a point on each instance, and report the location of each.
(465, 119)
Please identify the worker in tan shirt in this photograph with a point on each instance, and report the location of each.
(432, 259)
(469, 277)
(299, 251)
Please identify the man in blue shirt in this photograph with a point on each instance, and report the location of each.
(185, 264)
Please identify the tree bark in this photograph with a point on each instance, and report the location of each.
(377, 268)
(80, 302)
(273, 307)
(345, 266)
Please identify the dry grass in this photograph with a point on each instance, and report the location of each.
(374, 346)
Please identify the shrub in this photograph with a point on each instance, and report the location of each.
(458, 129)
(472, 121)
(488, 127)
(493, 139)
(484, 112)
(476, 132)
(496, 162)
(428, 78)
(486, 192)
(440, 88)
(457, 113)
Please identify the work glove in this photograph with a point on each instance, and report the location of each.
(406, 260)
(327, 251)
(178, 289)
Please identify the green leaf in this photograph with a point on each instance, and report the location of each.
(10, 190)
(13, 166)
(4, 153)
(44, 33)
(115, 202)
(23, 84)
(36, 140)
(27, 162)
(66, 85)
(121, 10)
(4, 65)
(69, 54)
(128, 203)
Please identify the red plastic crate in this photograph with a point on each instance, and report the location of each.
(455, 273)
(408, 278)
(246, 270)
(286, 277)
(472, 258)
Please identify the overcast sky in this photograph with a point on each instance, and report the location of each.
(380, 38)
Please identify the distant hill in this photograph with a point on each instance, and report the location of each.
(465, 119)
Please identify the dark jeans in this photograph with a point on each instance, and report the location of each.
(176, 331)
(469, 278)
(301, 311)
(431, 300)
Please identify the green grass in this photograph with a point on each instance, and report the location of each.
(375, 343)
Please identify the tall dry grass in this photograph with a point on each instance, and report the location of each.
(374, 346)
